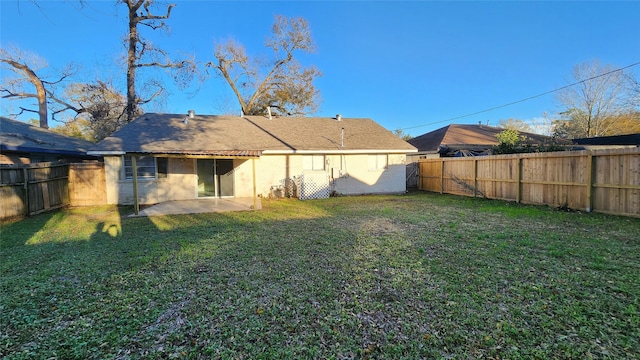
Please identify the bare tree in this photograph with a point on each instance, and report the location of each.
(515, 124)
(24, 66)
(105, 108)
(600, 96)
(281, 84)
(142, 53)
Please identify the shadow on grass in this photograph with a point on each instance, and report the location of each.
(19, 232)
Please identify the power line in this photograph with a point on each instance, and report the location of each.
(525, 99)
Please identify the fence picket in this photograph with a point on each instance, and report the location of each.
(605, 181)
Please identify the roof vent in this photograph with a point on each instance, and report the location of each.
(269, 111)
(339, 117)
(191, 114)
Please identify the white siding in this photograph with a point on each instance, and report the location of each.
(349, 175)
(178, 185)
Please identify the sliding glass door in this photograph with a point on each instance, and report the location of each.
(215, 177)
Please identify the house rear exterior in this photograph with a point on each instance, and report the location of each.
(179, 157)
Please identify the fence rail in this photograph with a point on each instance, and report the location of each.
(605, 181)
(27, 190)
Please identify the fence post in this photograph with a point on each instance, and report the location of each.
(441, 176)
(475, 177)
(519, 180)
(25, 178)
(589, 181)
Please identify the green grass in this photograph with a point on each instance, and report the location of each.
(415, 276)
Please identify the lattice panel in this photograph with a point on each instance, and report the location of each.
(314, 186)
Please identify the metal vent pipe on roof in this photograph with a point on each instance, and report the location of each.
(339, 117)
(191, 114)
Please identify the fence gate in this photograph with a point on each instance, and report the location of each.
(412, 175)
(87, 184)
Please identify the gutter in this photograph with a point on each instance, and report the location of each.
(360, 151)
(45, 151)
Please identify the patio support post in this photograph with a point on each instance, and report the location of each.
(134, 165)
(255, 200)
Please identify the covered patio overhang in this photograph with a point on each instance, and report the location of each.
(198, 205)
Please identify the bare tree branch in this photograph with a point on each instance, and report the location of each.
(284, 85)
(36, 82)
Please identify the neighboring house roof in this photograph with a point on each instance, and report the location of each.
(629, 139)
(248, 136)
(456, 136)
(20, 136)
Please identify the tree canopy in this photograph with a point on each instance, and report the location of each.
(515, 124)
(280, 84)
(596, 104)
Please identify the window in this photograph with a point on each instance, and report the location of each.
(313, 162)
(162, 163)
(378, 162)
(148, 167)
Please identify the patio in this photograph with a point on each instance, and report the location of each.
(195, 206)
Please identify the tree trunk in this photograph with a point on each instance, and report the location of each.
(41, 95)
(131, 64)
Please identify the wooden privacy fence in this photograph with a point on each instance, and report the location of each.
(606, 181)
(31, 189)
(87, 184)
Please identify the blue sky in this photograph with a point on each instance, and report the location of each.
(411, 65)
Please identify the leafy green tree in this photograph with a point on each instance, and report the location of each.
(402, 135)
(511, 142)
(77, 128)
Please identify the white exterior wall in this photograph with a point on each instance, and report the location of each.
(349, 174)
(356, 178)
(178, 185)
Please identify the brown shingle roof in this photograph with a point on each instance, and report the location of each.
(214, 135)
(456, 135)
(20, 136)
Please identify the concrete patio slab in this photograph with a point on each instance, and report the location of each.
(196, 206)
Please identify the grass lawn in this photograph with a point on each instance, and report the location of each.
(414, 276)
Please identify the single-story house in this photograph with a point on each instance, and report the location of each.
(21, 143)
(463, 140)
(180, 157)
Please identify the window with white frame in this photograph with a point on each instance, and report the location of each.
(149, 167)
(377, 162)
(313, 162)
